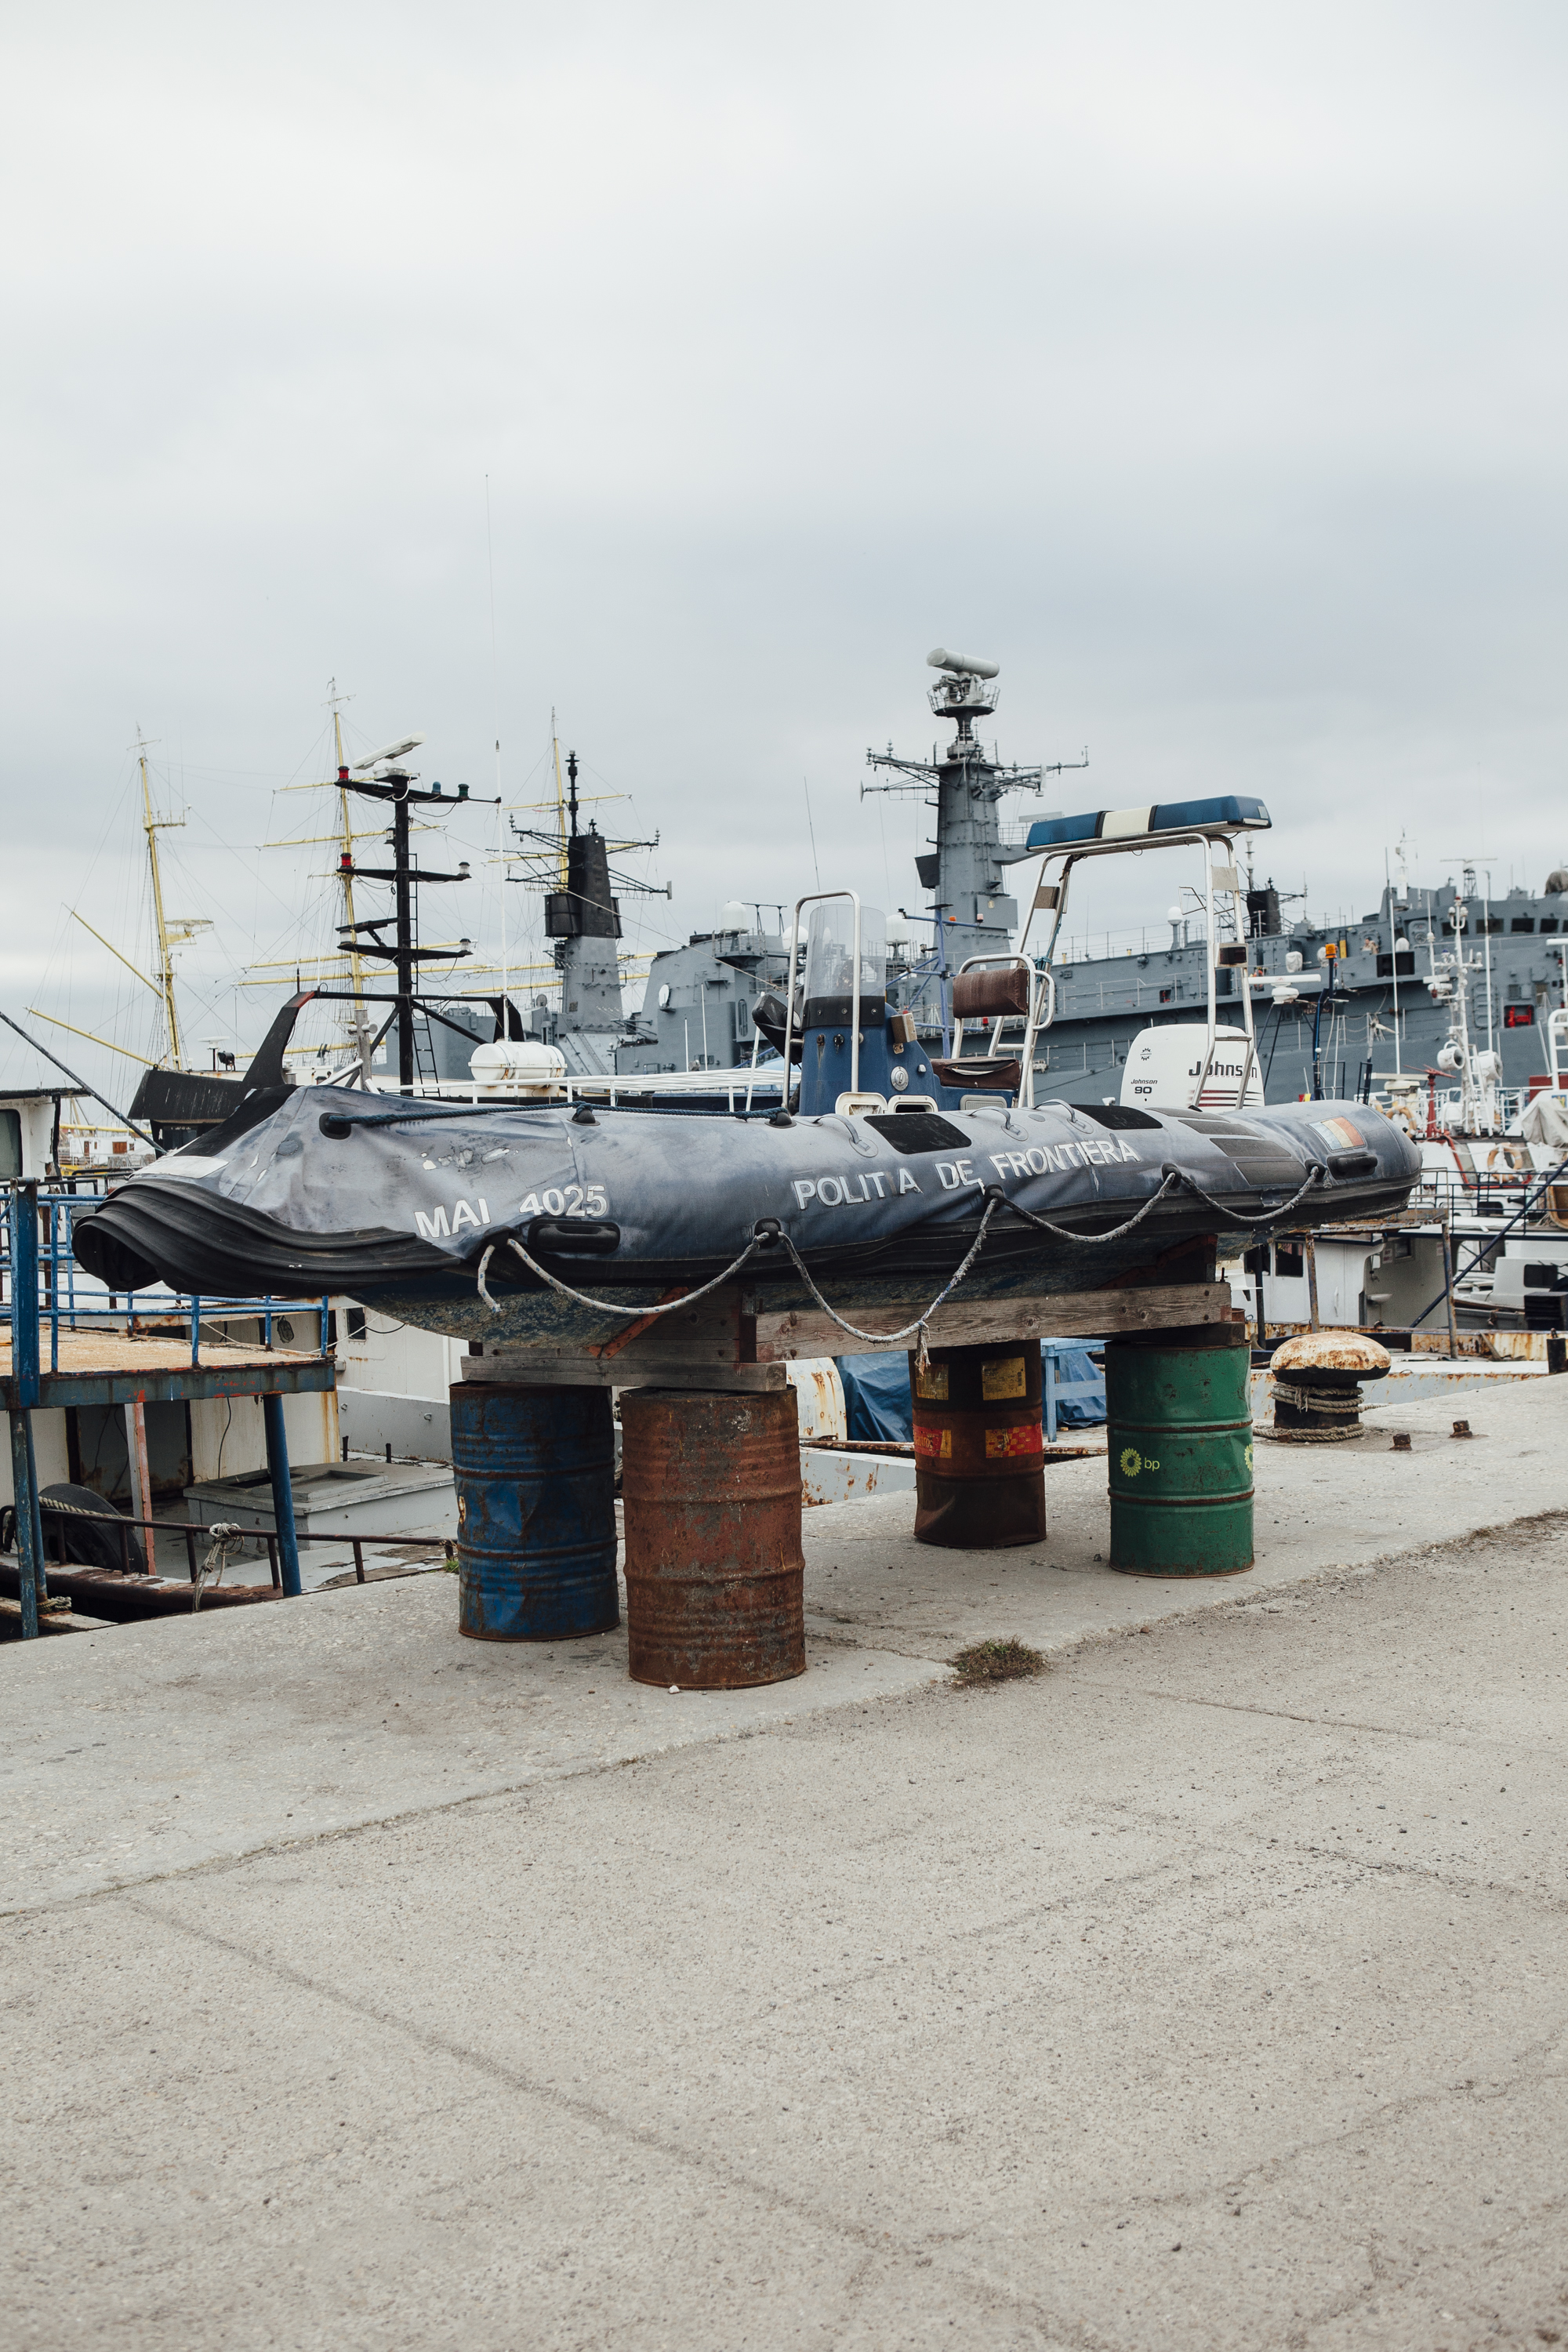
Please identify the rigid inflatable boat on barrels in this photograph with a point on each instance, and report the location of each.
(398, 1206)
(895, 1174)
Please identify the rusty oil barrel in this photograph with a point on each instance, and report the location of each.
(1179, 1426)
(714, 1568)
(980, 1448)
(535, 1472)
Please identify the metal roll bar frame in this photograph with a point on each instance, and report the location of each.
(1199, 837)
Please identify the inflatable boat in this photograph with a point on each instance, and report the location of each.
(894, 1174)
(533, 1221)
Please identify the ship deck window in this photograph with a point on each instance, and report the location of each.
(1522, 923)
(1549, 922)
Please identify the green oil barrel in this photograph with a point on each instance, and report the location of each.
(1180, 1429)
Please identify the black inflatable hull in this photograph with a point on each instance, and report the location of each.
(315, 1192)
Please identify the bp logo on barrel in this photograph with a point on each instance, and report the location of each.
(1132, 1461)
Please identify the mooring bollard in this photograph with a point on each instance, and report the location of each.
(1317, 1385)
(535, 1471)
(1179, 1426)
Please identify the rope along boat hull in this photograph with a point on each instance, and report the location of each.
(416, 1210)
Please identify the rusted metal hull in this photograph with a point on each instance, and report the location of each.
(714, 1568)
(109, 1593)
(535, 1473)
(980, 1447)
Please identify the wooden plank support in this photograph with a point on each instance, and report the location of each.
(710, 1345)
(532, 1368)
(731, 1341)
(1079, 1314)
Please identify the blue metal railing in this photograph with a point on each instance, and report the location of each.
(39, 1267)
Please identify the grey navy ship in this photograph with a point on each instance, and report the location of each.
(1339, 1007)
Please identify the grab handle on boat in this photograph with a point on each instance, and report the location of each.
(574, 1236)
(1353, 1163)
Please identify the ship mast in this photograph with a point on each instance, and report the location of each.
(971, 909)
(383, 778)
(152, 826)
(583, 911)
(564, 880)
(350, 937)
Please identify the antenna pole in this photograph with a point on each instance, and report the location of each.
(395, 784)
(346, 870)
(402, 900)
(811, 829)
(165, 954)
(1393, 957)
(560, 804)
(505, 981)
(495, 705)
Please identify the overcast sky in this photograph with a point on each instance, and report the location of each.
(1205, 365)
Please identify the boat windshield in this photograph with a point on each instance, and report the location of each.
(830, 958)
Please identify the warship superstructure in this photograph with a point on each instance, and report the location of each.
(1340, 1006)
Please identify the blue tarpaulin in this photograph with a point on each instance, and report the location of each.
(877, 1390)
(1072, 1366)
(877, 1393)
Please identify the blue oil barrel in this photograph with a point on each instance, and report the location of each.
(536, 1512)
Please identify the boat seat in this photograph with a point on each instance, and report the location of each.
(993, 987)
(981, 1072)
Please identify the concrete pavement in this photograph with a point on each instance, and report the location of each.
(1206, 1991)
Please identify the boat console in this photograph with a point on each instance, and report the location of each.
(858, 1056)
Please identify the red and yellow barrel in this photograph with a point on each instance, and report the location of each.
(979, 1446)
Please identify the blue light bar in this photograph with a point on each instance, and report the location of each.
(1230, 815)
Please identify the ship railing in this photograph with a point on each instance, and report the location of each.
(43, 1289)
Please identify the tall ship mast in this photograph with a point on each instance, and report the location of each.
(168, 933)
(972, 909)
(582, 918)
